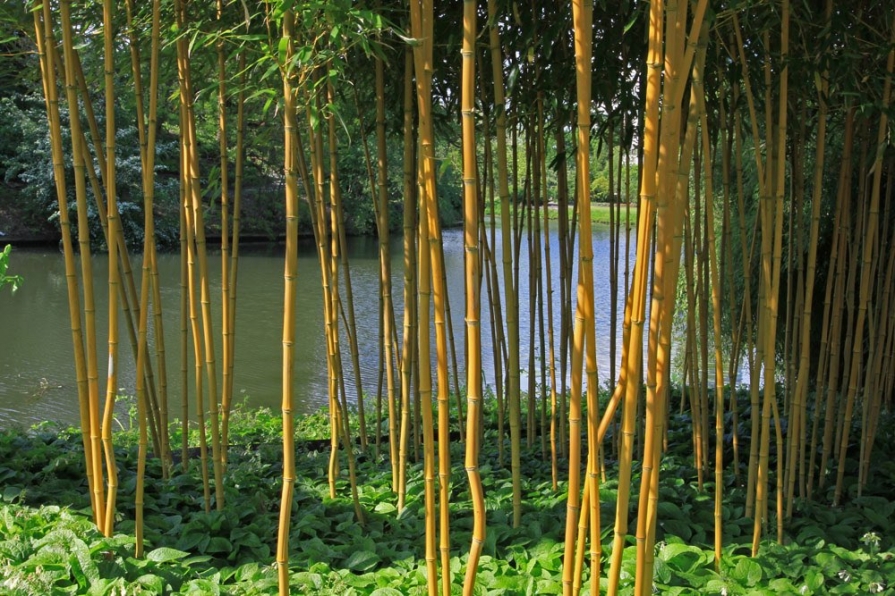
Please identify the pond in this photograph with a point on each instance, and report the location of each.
(37, 380)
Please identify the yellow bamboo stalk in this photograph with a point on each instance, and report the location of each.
(512, 300)
(88, 405)
(699, 91)
(584, 55)
(565, 287)
(425, 390)
(289, 295)
(836, 322)
(545, 288)
(339, 254)
(727, 265)
(237, 207)
(315, 185)
(340, 240)
(754, 455)
(824, 353)
(779, 190)
(473, 295)
(692, 356)
(410, 316)
(421, 15)
(197, 221)
(746, 250)
(422, 24)
(581, 537)
(772, 226)
(224, 183)
(799, 404)
(551, 356)
(866, 270)
(380, 203)
(634, 346)
(190, 182)
(668, 209)
(127, 290)
(198, 360)
(582, 20)
(83, 234)
(702, 293)
(114, 281)
(185, 288)
(874, 382)
(148, 158)
(856, 240)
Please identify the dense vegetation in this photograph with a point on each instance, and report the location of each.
(49, 545)
(30, 208)
(765, 182)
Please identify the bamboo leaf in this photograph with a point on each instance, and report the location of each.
(281, 49)
(631, 22)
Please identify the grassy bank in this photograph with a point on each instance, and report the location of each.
(48, 543)
(599, 213)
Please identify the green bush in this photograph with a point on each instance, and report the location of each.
(26, 162)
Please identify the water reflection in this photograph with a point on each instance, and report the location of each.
(37, 379)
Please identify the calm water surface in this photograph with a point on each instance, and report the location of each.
(37, 380)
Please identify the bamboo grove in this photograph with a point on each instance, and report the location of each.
(749, 171)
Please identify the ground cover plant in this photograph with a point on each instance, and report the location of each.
(49, 543)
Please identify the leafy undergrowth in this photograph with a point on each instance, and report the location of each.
(48, 544)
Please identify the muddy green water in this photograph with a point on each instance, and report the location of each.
(37, 380)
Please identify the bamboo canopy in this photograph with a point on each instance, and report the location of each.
(749, 162)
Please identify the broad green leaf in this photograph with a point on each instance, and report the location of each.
(747, 571)
(677, 528)
(362, 560)
(668, 510)
(10, 493)
(781, 586)
(385, 592)
(883, 521)
(201, 587)
(102, 587)
(83, 561)
(681, 556)
(188, 541)
(385, 507)
(814, 579)
(661, 571)
(365, 581)
(306, 578)
(165, 554)
(219, 544)
(549, 586)
(153, 582)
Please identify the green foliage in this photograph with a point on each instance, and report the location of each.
(26, 165)
(48, 543)
(11, 280)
